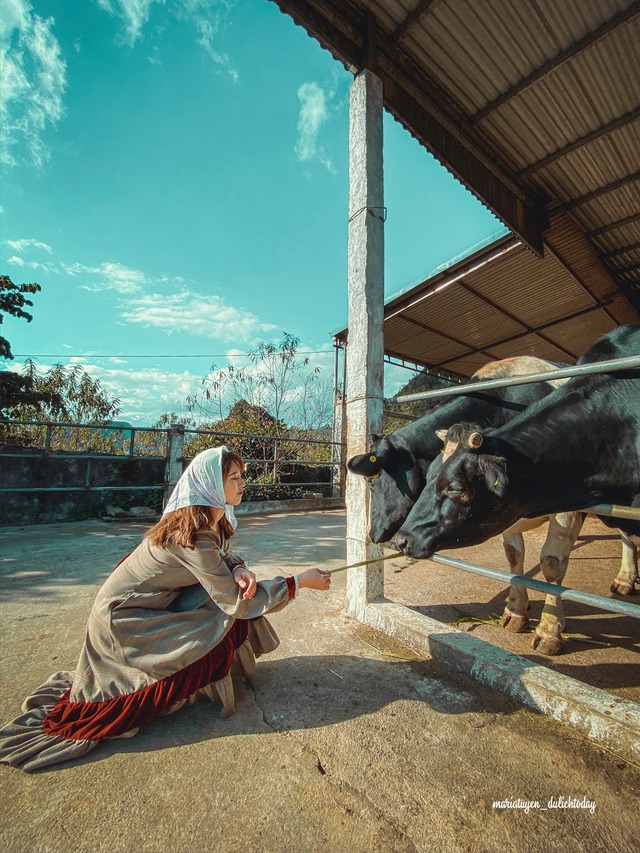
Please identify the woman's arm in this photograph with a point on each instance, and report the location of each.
(207, 564)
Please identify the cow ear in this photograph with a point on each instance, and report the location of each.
(365, 464)
(494, 471)
(442, 434)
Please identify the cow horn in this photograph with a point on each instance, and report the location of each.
(442, 434)
(475, 440)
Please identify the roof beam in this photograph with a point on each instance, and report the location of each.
(447, 375)
(621, 251)
(628, 179)
(578, 143)
(541, 328)
(441, 334)
(579, 46)
(611, 226)
(623, 270)
(531, 330)
(412, 18)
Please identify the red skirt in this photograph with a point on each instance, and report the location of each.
(114, 717)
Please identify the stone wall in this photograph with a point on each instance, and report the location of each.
(66, 486)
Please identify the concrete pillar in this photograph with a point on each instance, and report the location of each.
(174, 459)
(365, 349)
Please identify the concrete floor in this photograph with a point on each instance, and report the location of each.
(602, 649)
(340, 744)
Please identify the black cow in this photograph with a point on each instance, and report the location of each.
(396, 465)
(578, 446)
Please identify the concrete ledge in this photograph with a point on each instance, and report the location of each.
(261, 507)
(602, 717)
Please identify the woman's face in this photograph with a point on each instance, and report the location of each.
(233, 485)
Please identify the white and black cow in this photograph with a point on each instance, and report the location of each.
(396, 466)
(578, 446)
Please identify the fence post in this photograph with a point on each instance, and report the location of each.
(174, 459)
(275, 462)
(338, 454)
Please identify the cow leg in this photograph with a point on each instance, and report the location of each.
(627, 577)
(515, 617)
(563, 532)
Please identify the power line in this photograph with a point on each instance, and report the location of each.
(159, 355)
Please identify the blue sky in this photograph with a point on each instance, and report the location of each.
(175, 176)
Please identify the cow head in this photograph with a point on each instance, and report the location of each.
(465, 500)
(395, 477)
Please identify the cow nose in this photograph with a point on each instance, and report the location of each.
(401, 541)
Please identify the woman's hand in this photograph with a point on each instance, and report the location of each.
(246, 580)
(314, 579)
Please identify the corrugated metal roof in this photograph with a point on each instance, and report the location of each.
(535, 105)
(502, 300)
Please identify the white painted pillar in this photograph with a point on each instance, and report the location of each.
(365, 349)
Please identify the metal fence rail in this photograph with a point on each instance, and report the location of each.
(611, 510)
(611, 366)
(598, 601)
(173, 440)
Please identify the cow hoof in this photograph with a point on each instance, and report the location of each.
(623, 587)
(547, 645)
(514, 623)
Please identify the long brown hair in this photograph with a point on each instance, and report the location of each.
(181, 526)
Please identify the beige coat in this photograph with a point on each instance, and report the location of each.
(135, 638)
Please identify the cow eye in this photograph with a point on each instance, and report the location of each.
(453, 490)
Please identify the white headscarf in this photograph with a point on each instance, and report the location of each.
(201, 485)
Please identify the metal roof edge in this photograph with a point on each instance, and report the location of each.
(491, 241)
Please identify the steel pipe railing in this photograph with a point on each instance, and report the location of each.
(611, 604)
(611, 366)
(614, 511)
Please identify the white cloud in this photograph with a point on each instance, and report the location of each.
(207, 16)
(313, 114)
(196, 314)
(134, 13)
(109, 276)
(28, 243)
(17, 261)
(144, 394)
(34, 83)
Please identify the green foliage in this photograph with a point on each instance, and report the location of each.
(67, 395)
(12, 301)
(422, 381)
(279, 401)
(154, 500)
(16, 390)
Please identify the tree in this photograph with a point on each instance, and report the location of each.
(423, 381)
(276, 380)
(67, 395)
(16, 390)
(278, 394)
(12, 301)
(78, 398)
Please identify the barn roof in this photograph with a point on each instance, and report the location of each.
(535, 106)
